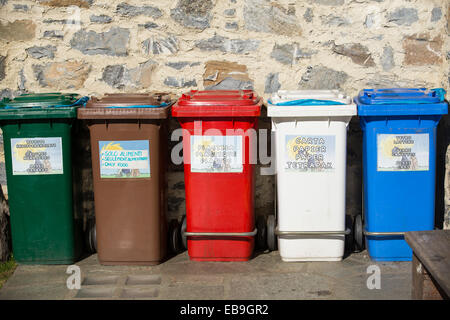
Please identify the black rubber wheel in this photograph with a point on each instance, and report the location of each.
(271, 237)
(182, 231)
(174, 237)
(358, 233)
(91, 236)
(349, 238)
(261, 235)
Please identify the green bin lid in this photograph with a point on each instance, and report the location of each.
(41, 106)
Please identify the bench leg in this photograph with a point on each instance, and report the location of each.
(423, 286)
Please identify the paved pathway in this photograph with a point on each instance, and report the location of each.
(264, 277)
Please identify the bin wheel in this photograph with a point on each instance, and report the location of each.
(91, 236)
(349, 238)
(261, 236)
(182, 232)
(271, 237)
(174, 237)
(358, 233)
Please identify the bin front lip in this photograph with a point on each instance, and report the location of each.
(208, 111)
(395, 95)
(26, 102)
(93, 113)
(40, 106)
(401, 109)
(39, 114)
(224, 98)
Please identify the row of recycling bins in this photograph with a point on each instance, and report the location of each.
(129, 134)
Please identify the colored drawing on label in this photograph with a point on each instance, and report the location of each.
(32, 156)
(403, 152)
(124, 159)
(216, 154)
(307, 153)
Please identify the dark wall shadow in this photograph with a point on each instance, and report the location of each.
(443, 140)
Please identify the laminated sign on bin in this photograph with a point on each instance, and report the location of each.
(129, 159)
(399, 166)
(311, 140)
(37, 134)
(219, 178)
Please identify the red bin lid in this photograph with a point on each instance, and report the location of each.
(218, 103)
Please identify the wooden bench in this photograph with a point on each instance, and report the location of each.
(431, 264)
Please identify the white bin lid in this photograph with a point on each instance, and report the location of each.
(345, 107)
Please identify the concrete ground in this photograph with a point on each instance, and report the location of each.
(264, 277)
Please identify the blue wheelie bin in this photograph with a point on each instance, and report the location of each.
(399, 167)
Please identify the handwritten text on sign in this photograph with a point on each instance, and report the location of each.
(403, 152)
(130, 159)
(124, 159)
(32, 156)
(307, 153)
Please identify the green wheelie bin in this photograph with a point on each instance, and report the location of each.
(37, 135)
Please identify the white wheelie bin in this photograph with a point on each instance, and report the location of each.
(311, 139)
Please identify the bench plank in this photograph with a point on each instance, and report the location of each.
(432, 248)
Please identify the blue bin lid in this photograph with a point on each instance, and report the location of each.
(401, 101)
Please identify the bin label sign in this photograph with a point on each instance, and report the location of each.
(307, 153)
(124, 159)
(403, 152)
(216, 153)
(31, 156)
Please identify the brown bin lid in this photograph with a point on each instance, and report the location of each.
(120, 106)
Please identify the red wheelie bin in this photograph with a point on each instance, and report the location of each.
(219, 135)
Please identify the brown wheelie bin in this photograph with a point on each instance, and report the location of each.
(129, 158)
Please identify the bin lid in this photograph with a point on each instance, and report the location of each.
(401, 101)
(41, 106)
(218, 103)
(127, 106)
(310, 103)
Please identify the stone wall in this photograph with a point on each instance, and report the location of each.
(98, 46)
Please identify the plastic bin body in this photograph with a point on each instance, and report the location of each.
(219, 200)
(400, 198)
(131, 197)
(311, 195)
(43, 227)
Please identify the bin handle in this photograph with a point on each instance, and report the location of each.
(383, 234)
(440, 92)
(221, 234)
(311, 233)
